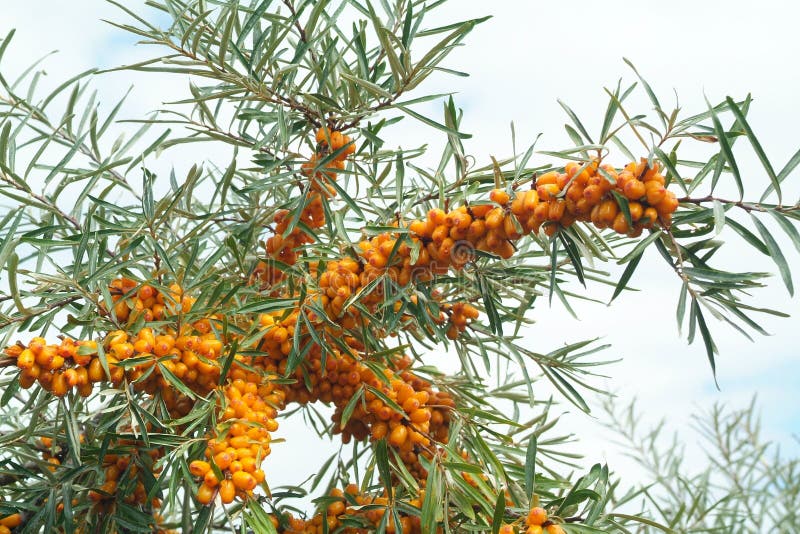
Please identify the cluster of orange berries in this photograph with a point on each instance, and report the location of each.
(333, 141)
(192, 357)
(58, 367)
(334, 378)
(588, 194)
(329, 143)
(121, 474)
(282, 246)
(401, 407)
(242, 439)
(77, 364)
(341, 280)
(558, 200)
(123, 469)
(460, 314)
(133, 300)
(384, 255)
(351, 512)
(536, 522)
(446, 240)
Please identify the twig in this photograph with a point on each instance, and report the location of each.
(45, 309)
(746, 206)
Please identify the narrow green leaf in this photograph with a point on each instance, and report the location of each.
(553, 269)
(626, 275)
(648, 90)
(639, 248)
(719, 217)
(622, 202)
(431, 503)
(382, 460)
(351, 405)
(256, 518)
(680, 310)
(775, 253)
(499, 512)
(175, 382)
(375, 89)
(726, 149)
(8, 242)
(711, 348)
(11, 267)
(776, 185)
(577, 122)
(748, 236)
(785, 224)
(530, 467)
(433, 123)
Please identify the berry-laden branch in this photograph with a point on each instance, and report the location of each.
(318, 339)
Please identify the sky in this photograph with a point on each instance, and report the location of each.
(529, 55)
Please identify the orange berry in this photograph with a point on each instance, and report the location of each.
(650, 216)
(26, 359)
(655, 192)
(398, 436)
(495, 218)
(547, 191)
(668, 205)
(205, 494)
(227, 491)
(379, 430)
(199, 468)
(259, 475)
(145, 292)
(620, 225)
(11, 521)
(323, 134)
(636, 210)
(337, 140)
(210, 479)
(608, 210)
(223, 460)
(536, 516)
(243, 480)
(438, 216)
(59, 385)
(499, 196)
(110, 487)
(634, 189)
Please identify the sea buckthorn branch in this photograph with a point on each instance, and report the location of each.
(233, 371)
(371, 402)
(397, 406)
(374, 259)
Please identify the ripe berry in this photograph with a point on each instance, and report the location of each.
(205, 494)
(499, 196)
(536, 516)
(227, 491)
